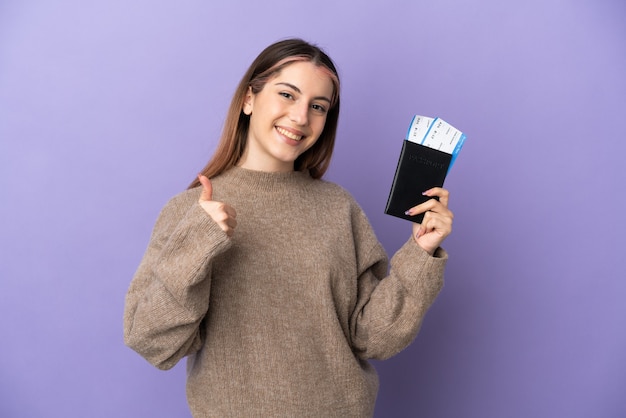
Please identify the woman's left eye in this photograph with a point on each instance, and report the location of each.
(318, 108)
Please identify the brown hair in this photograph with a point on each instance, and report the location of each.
(235, 132)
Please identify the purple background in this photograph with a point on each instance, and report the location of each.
(108, 108)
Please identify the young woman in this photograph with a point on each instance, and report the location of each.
(271, 279)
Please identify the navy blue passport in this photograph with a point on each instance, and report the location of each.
(419, 168)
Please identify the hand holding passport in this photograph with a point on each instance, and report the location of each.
(428, 152)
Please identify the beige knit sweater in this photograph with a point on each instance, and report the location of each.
(280, 319)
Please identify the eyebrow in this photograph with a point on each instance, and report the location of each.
(297, 90)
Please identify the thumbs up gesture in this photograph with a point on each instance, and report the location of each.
(223, 214)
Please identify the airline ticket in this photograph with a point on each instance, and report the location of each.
(437, 134)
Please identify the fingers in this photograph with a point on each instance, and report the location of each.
(224, 216)
(433, 205)
(207, 188)
(437, 222)
(432, 231)
(441, 193)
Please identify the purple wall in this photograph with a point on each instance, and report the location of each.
(108, 108)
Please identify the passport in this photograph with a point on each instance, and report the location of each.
(427, 154)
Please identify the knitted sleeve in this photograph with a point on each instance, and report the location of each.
(391, 306)
(169, 294)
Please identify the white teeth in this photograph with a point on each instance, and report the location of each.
(288, 134)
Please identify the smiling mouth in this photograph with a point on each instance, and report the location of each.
(288, 134)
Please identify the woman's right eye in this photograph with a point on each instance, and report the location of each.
(286, 95)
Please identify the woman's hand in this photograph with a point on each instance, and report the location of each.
(223, 214)
(437, 222)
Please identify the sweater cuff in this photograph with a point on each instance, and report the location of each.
(415, 265)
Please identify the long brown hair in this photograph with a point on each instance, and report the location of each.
(235, 132)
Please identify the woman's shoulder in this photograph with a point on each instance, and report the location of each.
(181, 201)
(333, 189)
(338, 200)
(338, 195)
(186, 196)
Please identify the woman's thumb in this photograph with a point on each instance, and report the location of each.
(207, 188)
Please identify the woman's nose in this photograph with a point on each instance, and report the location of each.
(299, 114)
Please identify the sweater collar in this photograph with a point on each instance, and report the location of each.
(266, 181)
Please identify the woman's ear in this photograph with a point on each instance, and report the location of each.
(248, 102)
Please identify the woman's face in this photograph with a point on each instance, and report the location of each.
(286, 117)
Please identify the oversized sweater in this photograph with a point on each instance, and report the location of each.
(280, 319)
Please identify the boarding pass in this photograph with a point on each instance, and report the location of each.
(437, 134)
